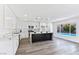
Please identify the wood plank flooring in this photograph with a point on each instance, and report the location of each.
(54, 47)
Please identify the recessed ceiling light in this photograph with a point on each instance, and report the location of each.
(25, 15)
(38, 17)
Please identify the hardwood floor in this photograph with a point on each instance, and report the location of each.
(54, 47)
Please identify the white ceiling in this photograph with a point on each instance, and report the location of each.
(52, 11)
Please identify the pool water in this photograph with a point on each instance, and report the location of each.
(68, 34)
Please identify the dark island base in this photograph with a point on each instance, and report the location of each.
(41, 37)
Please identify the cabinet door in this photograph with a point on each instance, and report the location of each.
(6, 47)
(15, 43)
(10, 47)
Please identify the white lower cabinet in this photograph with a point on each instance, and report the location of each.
(9, 46)
(4, 47)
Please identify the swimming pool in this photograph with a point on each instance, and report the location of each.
(68, 34)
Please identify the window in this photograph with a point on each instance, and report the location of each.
(66, 28)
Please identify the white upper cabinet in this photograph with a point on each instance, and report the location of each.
(1, 21)
(10, 19)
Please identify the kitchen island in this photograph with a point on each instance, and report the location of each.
(41, 37)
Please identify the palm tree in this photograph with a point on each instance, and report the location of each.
(66, 28)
